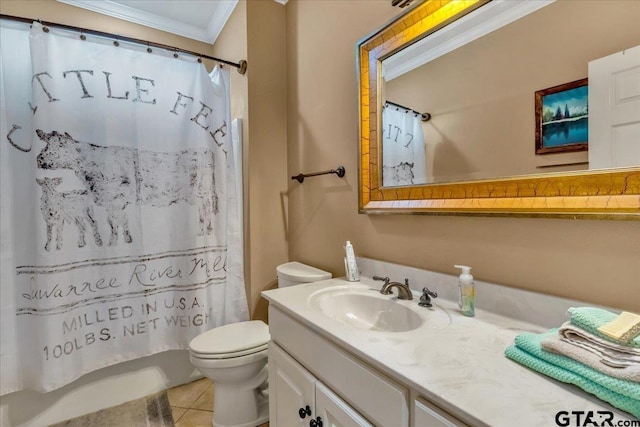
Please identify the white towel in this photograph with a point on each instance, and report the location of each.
(586, 355)
(612, 352)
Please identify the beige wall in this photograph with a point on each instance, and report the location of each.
(267, 147)
(595, 261)
(481, 96)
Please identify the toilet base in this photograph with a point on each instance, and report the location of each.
(245, 405)
(263, 417)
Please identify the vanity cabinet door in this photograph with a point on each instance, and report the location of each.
(291, 391)
(334, 412)
(427, 415)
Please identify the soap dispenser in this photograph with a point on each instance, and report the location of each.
(466, 291)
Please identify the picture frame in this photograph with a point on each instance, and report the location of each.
(562, 118)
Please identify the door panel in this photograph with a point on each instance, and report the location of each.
(291, 388)
(334, 412)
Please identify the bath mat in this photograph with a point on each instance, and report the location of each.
(149, 411)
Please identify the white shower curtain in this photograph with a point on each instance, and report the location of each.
(120, 236)
(404, 160)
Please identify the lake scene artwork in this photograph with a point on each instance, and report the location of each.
(563, 118)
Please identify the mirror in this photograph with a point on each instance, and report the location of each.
(458, 114)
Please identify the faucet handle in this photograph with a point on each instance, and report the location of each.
(425, 298)
(381, 279)
(429, 292)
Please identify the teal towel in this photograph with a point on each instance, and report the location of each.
(624, 403)
(591, 318)
(620, 393)
(532, 344)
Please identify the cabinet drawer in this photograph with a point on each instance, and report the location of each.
(382, 401)
(427, 414)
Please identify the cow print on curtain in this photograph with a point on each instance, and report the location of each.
(120, 236)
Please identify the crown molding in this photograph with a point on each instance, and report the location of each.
(476, 24)
(220, 18)
(116, 10)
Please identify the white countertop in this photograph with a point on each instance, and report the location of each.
(461, 368)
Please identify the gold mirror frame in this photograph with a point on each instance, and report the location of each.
(612, 194)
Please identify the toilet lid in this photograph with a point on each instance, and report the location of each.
(242, 337)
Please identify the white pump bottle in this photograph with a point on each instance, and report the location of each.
(466, 296)
(351, 268)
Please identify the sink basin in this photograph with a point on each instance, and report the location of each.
(369, 310)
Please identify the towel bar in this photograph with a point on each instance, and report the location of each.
(340, 171)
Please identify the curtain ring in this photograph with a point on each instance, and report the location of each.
(45, 29)
(149, 50)
(200, 60)
(175, 53)
(82, 36)
(115, 43)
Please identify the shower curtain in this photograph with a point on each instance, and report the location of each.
(119, 231)
(404, 160)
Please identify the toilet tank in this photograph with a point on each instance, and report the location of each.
(295, 273)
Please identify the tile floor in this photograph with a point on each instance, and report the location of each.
(192, 404)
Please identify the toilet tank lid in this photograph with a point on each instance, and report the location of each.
(231, 338)
(301, 272)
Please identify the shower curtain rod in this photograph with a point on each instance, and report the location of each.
(425, 117)
(241, 66)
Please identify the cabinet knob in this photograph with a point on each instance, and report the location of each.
(316, 423)
(303, 412)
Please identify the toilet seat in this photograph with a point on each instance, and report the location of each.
(232, 355)
(231, 341)
(228, 362)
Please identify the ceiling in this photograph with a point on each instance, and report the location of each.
(201, 20)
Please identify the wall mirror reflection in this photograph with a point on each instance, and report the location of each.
(456, 101)
(481, 95)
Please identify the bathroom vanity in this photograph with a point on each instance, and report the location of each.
(342, 354)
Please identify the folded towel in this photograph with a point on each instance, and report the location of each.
(612, 353)
(623, 328)
(620, 401)
(591, 318)
(624, 370)
(532, 344)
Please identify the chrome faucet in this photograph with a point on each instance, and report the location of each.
(404, 292)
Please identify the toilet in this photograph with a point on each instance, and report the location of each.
(234, 358)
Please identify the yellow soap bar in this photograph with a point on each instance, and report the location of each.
(624, 328)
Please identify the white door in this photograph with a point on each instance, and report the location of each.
(291, 391)
(334, 412)
(614, 110)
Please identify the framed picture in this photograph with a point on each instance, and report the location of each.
(562, 118)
